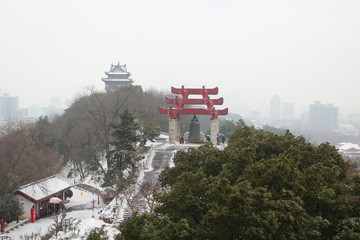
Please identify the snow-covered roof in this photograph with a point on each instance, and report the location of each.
(345, 146)
(117, 80)
(44, 188)
(117, 73)
(118, 68)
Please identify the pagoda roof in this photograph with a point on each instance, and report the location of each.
(120, 75)
(118, 68)
(117, 76)
(117, 73)
(117, 80)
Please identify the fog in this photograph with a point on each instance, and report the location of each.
(300, 50)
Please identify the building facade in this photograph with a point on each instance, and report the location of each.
(117, 76)
(287, 111)
(9, 107)
(324, 117)
(275, 108)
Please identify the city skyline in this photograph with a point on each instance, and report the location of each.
(264, 110)
(284, 110)
(303, 51)
(11, 111)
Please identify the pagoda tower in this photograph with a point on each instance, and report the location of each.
(117, 76)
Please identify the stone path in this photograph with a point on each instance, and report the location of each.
(162, 158)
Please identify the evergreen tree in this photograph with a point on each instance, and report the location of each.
(262, 186)
(149, 132)
(122, 154)
(10, 208)
(228, 127)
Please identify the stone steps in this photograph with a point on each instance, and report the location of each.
(139, 206)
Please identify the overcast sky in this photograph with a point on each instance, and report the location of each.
(301, 50)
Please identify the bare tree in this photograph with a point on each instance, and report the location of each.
(129, 195)
(21, 155)
(84, 130)
(148, 190)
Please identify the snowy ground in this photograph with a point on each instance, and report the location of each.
(80, 206)
(81, 200)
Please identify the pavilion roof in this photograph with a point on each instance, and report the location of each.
(43, 188)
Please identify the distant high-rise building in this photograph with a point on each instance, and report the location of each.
(275, 108)
(324, 116)
(287, 111)
(9, 107)
(117, 76)
(23, 113)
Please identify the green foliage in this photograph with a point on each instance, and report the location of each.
(355, 184)
(96, 235)
(124, 132)
(349, 229)
(45, 134)
(227, 127)
(274, 130)
(192, 161)
(10, 208)
(152, 226)
(262, 186)
(149, 132)
(123, 154)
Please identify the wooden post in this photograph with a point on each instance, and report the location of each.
(2, 225)
(32, 215)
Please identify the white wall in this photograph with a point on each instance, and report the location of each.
(27, 205)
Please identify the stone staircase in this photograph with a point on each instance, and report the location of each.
(138, 205)
(161, 159)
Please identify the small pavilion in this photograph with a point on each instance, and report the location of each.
(37, 194)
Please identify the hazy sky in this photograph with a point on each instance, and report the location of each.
(301, 50)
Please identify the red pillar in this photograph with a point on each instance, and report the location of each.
(32, 215)
(2, 225)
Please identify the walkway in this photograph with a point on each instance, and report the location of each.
(142, 200)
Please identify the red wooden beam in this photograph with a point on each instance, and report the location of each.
(198, 101)
(185, 92)
(172, 112)
(175, 113)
